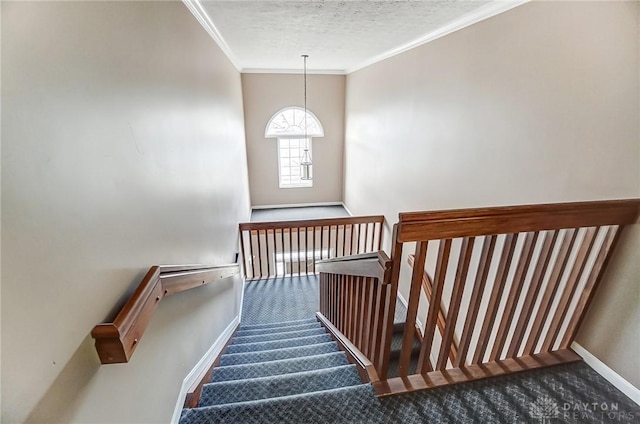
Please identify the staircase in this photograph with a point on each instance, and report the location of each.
(281, 372)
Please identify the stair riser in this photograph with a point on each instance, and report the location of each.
(279, 344)
(277, 354)
(277, 336)
(261, 331)
(278, 324)
(286, 366)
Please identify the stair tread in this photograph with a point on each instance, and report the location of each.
(276, 336)
(275, 354)
(228, 392)
(279, 367)
(278, 344)
(277, 324)
(257, 331)
(327, 406)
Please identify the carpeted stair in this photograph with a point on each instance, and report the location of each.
(273, 371)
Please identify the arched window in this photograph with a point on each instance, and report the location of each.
(287, 125)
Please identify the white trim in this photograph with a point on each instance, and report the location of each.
(293, 71)
(196, 8)
(294, 135)
(406, 305)
(244, 282)
(610, 375)
(346, 208)
(297, 205)
(492, 9)
(203, 365)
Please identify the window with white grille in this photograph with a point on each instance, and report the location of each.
(288, 126)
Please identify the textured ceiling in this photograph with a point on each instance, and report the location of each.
(337, 35)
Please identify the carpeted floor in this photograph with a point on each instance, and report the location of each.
(292, 372)
(295, 213)
(287, 299)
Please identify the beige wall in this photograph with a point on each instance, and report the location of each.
(122, 147)
(264, 95)
(539, 104)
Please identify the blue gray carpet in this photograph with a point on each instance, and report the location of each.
(292, 372)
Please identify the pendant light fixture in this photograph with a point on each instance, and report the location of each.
(306, 157)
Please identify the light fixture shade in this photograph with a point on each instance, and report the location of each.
(306, 166)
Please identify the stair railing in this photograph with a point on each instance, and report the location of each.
(514, 284)
(427, 288)
(285, 248)
(355, 303)
(116, 341)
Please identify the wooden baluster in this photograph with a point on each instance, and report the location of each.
(351, 240)
(313, 250)
(306, 250)
(261, 274)
(299, 255)
(291, 251)
(514, 294)
(466, 250)
(370, 314)
(332, 297)
(355, 305)
(361, 315)
(477, 294)
(412, 307)
(245, 257)
(322, 277)
(378, 320)
(550, 291)
(424, 360)
(570, 288)
(253, 255)
(496, 293)
(366, 230)
(391, 281)
(344, 240)
(379, 233)
(544, 257)
(284, 265)
(268, 257)
(595, 276)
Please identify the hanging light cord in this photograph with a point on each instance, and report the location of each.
(306, 143)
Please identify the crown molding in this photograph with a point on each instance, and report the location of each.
(492, 9)
(195, 7)
(293, 71)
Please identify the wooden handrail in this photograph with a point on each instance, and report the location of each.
(424, 226)
(116, 341)
(427, 286)
(285, 248)
(365, 367)
(302, 223)
(374, 264)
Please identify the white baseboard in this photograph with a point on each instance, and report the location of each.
(406, 305)
(610, 375)
(244, 282)
(203, 365)
(346, 209)
(297, 205)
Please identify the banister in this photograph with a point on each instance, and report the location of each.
(116, 341)
(285, 248)
(312, 222)
(423, 226)
(373, 264)
(534, 272)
